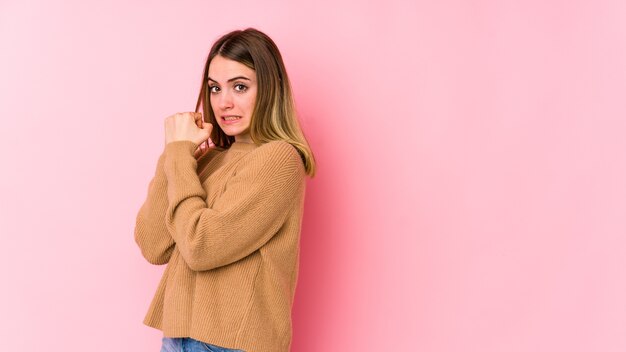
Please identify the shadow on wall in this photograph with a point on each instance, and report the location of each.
(318, 278)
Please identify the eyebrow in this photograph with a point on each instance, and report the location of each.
(232, 79)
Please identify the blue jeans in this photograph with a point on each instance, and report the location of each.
(187, 344)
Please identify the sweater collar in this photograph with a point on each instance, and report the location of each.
(242, 147)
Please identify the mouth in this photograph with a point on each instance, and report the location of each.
(231, 118)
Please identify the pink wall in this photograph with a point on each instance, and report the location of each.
(470, 196)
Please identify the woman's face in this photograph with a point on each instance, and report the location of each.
(232, 88)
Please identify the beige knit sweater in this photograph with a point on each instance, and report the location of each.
(228, 227)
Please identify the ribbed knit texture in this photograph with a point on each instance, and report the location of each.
(228, 227)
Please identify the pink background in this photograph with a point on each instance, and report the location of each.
(471, 192)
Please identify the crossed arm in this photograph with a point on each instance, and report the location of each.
(250, 210)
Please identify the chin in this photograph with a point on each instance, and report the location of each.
(232, 133)
(235, 132)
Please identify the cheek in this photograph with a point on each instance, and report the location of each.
(250, 103)
(246, 104)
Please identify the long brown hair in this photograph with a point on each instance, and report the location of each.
(274, 116)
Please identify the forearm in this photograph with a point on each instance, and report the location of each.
(241, 219)
(151, 233)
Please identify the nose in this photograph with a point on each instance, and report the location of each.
(225, 101)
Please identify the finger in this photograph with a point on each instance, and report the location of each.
(208, 127)
(185, 115)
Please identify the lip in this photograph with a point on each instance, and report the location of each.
(230, 122)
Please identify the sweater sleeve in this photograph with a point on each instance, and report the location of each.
(250, 209)
(151, 233)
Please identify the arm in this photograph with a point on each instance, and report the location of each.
(252, 208)
(151, 234)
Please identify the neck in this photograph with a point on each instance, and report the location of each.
(243, 138)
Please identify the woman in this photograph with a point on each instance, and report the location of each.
(226, 218)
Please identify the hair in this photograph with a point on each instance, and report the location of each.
(274, 115)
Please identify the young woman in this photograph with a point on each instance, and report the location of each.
(226, 215)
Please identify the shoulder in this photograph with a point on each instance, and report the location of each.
(279, 146)
(280, 151)
(275, 156)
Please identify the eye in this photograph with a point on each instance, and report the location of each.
(240, 87)
(214, 89)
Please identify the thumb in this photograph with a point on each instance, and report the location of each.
(207, 127)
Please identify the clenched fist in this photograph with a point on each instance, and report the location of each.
(187, 126)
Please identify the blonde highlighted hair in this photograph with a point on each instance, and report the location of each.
(274, 116)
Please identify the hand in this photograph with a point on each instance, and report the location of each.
(204, 146)
(186, 126)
